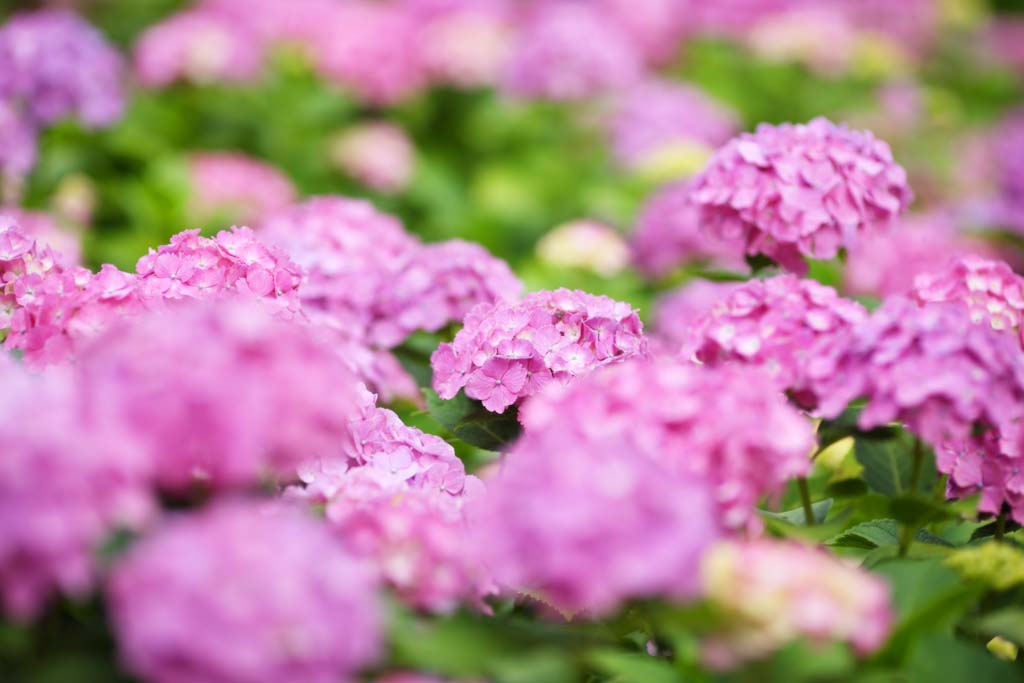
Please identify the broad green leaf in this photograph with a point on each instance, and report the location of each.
(469, 421)
(797, 516)
(1007, 622)
(877, 533)
(633, 667)
(540, 666)
(944, 659)
(888, 463)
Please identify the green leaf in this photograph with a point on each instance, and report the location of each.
(1007, 622)
(797, 517)
(469, 421)
(915, 511)
(878, 533)
(888, 463)
(633, 667)
(949, 660)
(837, 429)
(542, 666)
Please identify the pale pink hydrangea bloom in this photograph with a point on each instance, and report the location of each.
(235, 185)
(464, 42)
(657, 27)
(668, 234)
(734, 18)
(881, 265)
(990, 290)
(778, 324)
(65, 244)
(586, 244)
(570, 51)
(68, 478)
(1003, 38)
(243, 593)
(928, 367)
(657, 114)
(992, 465)
(199, 46)
(659, 410)
(378, 154)
(54, 64)
(774, 592)
(800, 190)
(508, 351)
(676, 311)
(221, 394)
(587, 525)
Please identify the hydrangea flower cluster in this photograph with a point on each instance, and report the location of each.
(773, 593)
(929, 367)
(1009, 171)
(464, 42)
(235, 185)
(668, 234)
(586, 244)
(677, 311)
(656, 27)
(64, 244)
(205, 598)
(570, 51)
(990, 290)
(367, 275)
(656, 116)
(221, 394)
(53, 64)
(777, 324)
(585, 526)
(992, 465)
(377, 154)
(508, 351)
(68, 478)
(800, 190)
(659, 410)
(17, 150)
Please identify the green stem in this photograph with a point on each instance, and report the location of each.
(1000, 526)
(907, 533)
(805, 498)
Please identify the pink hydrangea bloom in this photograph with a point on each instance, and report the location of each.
(992, 465)
(1006, 149)
(243, 593)
(236, 185)
(881, 265)
(656, 114)
(659, 410)
(17, 150)
(464, 42)
(587, 244)
(372, 49)
(198, 46)
(668, 234)
(775, 592)
(587, 525)
(734, 18)
(56, 65)
(570, 51)
(800, 190)
(508, 351)
(777, 324)
(657, 27)
(221, 394)
(379, 154)
(990, 290)
(929, 367)
(67, 479)
(65, 244)
(676, 311)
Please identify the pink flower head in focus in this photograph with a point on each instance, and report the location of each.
(992, 465)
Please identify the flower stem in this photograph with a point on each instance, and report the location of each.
(805, 498)
(907, 534)
(1000, 525)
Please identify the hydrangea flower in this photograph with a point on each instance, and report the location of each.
(991, 465)
(657, 27)
(221, 394)
(990, 290)
(771, 593)
(800, 190)
(64, 244)
(243, 593)
(929, 367)
(464, 42)
(668, 234)
(54, 64)
(887, 264)
(199, 46)
(585, 526)
(584, 244)
(377, 154)
(656, 115)
(660, 410)
(227, 183)
(570, 51)
(508, 351)
(676, 311)
(777, 324)
(68, 478)
(1006, 149)
(17, 150)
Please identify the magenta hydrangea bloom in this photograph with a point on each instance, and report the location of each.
(929, 367)
(659, 410)
(221, 394)
(570, 51)
(228, 183)
(1007, 150)
(17, 150)
(658, 114)
(668, 234)
(990, 290)
(199, 46)
(55, 64)
(243, 593)
(800, 190)
(676, 311)
(882, 265)
(777, 324)
(992, 465)
(378, 154)
(68, 478)
(774, 592)
(66, 245)
(508, 351)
